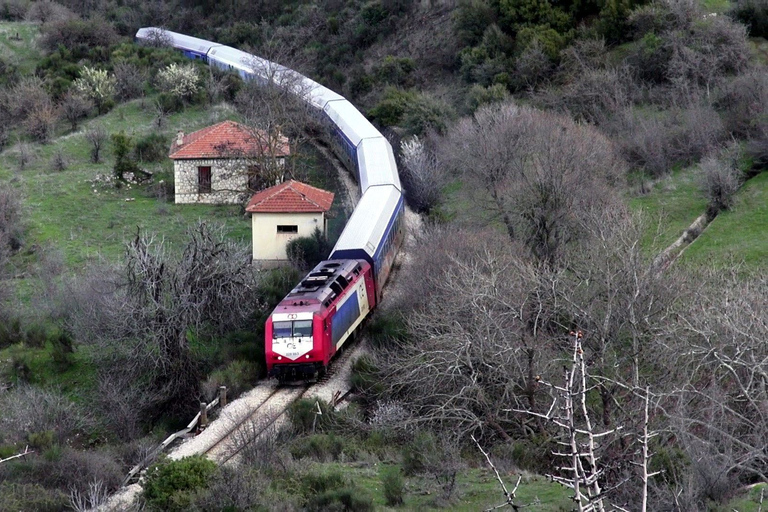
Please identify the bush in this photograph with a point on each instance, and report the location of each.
(419, 454)
(320, 447)
(720, 180)
(306, 252)
(11, 332)
(26, 496)
(62, 350)
(753, 14)
(238, 376)
(35, 336)
(331, 491)
(181, 81)
(151, 148)
(413, 111)
(304, 416)
(169, 485)
(479, 95)
(392, 485)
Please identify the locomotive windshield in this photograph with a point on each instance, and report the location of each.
(296, 329)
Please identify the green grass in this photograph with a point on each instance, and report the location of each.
(477, 489)
(670, 208)
(86, 219)
(22, 52)
(76, 380)
(749, 501)
(740, 234)
(716, 6)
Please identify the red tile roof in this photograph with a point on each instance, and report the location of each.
(290, 197)
(227, 139)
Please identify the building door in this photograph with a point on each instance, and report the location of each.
(204, 180)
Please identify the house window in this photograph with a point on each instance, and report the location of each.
(204, 180)
(287, 229)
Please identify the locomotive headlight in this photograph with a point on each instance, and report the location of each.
(279, 358)
(307, 356)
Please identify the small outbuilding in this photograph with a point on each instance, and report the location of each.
(226, 162)
(286, 211)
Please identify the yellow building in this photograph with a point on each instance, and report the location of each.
(283, 212)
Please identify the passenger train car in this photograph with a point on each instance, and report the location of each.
(323, 311)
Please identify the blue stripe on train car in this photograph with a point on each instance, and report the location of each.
(345, 316)
(388, 239)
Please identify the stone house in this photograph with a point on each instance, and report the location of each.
(226, 162)
(283, 212)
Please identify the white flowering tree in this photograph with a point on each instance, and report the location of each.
(97, 85)
(180, 80)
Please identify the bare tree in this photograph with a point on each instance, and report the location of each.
(159, 38)
(145, 315)
(129, 80)
(478, 335)
(40, 123)
(569, 412)
(534, 171)
(423, 175)
(74, 107)
(721, 179)
(96, 136)
(722, 406)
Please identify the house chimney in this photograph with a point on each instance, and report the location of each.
(180, 138)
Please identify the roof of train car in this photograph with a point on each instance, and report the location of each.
(179, 40)
(366, 227)
(318, 95)
(350, 121)
(377, 164)
(236, 58)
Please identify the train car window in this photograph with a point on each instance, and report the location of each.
(302, 328)
(281, 330)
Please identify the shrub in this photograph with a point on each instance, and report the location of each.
(413, 111)
(304, 416)
(181, 81)
(753, 14)
(11, 332)
(169, 485)
(342, 499)
(238, 376)
(41, 440)
(62, 350)
(720, 180)
(97, 85)
(331, 491)
(418, 455)
(27, 496)
(479, 95)
(363, 376)
(35, 336)
(77, 35)
(307, 251)
(392, 485)
(320, 447)
(151, 148)
(129, 80)
(59, 161)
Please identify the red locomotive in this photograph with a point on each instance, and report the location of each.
(313, 321)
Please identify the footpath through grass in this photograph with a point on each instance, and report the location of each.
(740, 234)
(735, 236)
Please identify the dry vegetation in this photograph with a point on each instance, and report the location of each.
(520, 133)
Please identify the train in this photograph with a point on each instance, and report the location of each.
(321, 313)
